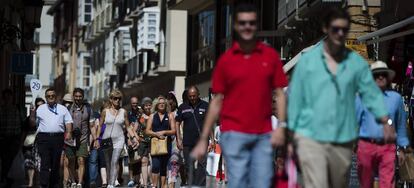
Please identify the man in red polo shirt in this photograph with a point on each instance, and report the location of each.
(243, 81)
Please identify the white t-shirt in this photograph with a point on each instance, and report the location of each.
(52, 120)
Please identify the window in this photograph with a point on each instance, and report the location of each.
(151, 43)
(202, 46)
(87, 16)
(152, 15)
(152, 22)
(151, 36)
(152, 29)
(86, 72)
(88, 8)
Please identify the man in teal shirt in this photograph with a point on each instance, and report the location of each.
(321, 106)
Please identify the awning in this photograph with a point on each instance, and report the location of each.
(388, 29)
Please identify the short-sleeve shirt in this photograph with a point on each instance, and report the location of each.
(52, 119)
(82, 118)
(192, 128)
(247, 82)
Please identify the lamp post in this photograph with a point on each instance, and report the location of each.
(33, 12)
(32, 16)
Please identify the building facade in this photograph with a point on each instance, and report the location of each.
(287, 26)
(154, 56)
(18, 21)
(43, 53)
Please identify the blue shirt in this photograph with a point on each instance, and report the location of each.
(322, 105)
(370, 128)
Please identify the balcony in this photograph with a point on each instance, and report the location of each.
(89, 33)
(105, 18)
(187, 4)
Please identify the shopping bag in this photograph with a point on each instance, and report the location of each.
(407, 169)
(212, 163)
(158, 147)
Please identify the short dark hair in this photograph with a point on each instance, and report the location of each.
(171, 96)
(243, 8)
(49, 89)
(78, 90)
(334, 13)
(38, 99)
(185, 96)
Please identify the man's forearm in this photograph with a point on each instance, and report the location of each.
(178, 130)
(68, 128)
(212, 116)
(281, 104)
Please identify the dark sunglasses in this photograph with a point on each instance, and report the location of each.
(50, 96)
(245, 22)
(116, 98)
(378, 75)
(336, 29)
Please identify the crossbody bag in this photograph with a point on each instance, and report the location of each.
(107, 142)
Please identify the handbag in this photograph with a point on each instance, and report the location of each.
(107, 142)
(158, 146)
(407, 169)
(30, 140)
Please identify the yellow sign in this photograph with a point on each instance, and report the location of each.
(359, 47)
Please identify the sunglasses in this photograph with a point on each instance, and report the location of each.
(116, 98)
(245, 22)
(336, 29)
(379, 75)
(50, 96)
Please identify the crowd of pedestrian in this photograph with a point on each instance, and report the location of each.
(336, 104)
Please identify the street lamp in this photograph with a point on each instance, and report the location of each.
(33, 12)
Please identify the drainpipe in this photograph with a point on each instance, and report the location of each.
(162, 49)
(364, 5)
(297, 17)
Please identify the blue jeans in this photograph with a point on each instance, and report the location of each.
(96, 162)
(249, 159)
(93, 165)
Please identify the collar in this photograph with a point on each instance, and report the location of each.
(341, 65)
(77, 107)
(385, 92)
(258, 48)
(195, 105)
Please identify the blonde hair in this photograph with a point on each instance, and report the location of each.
(156, 102)
(115, 93)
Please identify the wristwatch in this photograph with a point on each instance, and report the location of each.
(389, 122)
(282, 124)
(402, 148)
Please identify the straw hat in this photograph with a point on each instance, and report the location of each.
(381, 67)
(68, 97)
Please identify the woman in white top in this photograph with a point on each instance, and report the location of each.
(115, 119)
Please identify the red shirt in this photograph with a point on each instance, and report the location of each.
(247, 82)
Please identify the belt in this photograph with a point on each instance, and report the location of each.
(373, 141)
(50, 134)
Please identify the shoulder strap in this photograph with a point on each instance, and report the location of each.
(113, 123)
(89, 110)
(195, 121)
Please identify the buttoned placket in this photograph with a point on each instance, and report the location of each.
(334, 79)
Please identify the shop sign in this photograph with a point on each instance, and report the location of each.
(357, 46)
